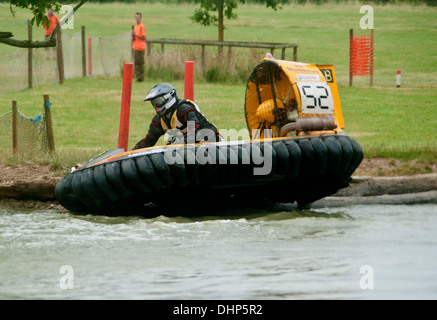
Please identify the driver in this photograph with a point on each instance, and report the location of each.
(173, 117)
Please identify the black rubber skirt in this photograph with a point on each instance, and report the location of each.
(188, 180)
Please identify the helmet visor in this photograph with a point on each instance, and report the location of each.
(158, 102)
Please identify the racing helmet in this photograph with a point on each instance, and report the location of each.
(162, 96)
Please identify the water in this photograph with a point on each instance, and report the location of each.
(316, 254)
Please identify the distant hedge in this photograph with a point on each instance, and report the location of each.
(381, 2)
(431, 3)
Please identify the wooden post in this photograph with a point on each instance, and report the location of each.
(83, 51)
(14, 127)
(203, 58)
(220, 54)
(229, 54)
(149, 48)
(29, 57)
(283, 54)
(60, 56)
(294, 53)
(48, 123)
(351, 35)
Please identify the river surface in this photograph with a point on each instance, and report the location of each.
(356, 252)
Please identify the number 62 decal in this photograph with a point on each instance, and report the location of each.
(316, 97)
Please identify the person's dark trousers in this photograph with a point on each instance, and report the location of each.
(139, 65)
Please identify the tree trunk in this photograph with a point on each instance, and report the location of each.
(220, 27)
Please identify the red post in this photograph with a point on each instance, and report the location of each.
(123, 133)
(351, 54)
(90, 59)
(189, 80)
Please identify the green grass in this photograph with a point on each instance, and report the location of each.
(392, 122)
(86, 112)
(387, 121)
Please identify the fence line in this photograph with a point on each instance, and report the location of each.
(229, 44)
(105, 55)
(26, 134)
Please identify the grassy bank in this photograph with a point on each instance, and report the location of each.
(388, 121)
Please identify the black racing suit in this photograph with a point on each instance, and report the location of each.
(178, 118)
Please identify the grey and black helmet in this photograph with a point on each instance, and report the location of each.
(162, 96)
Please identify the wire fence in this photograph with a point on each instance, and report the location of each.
(23, 134)
(29, 134)
(81, 54)
(105, 54)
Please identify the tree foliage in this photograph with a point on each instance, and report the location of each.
(213, 12)
(39, 10)
(208, 12)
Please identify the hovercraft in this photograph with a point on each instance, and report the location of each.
(296, 151)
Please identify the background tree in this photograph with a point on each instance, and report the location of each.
(215, 11)
(39, 9)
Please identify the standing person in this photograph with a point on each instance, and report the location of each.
(173, 116)
(139, 46)
(48, 30)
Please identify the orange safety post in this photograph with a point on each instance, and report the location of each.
(90, 56)
(123, 133)
(189, 80)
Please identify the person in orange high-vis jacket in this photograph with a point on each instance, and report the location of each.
(48, 30)
(139, 47)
